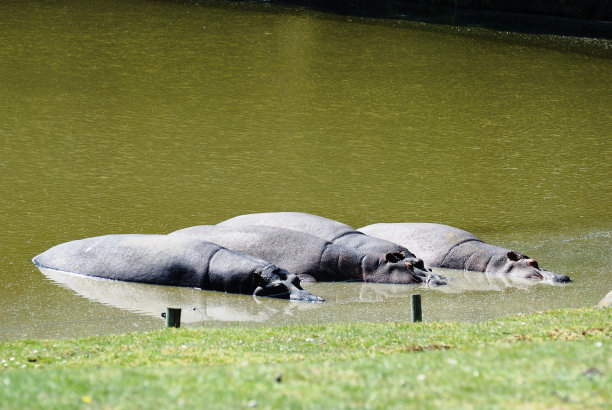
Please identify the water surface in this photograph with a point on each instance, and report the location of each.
(146, 117)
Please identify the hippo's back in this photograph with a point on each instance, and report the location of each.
(297, 252)
(428, 241)
(133, 257)
(325, 228)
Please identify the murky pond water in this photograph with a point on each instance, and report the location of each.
(147, 116)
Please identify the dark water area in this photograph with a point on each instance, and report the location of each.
(147, 117)
(577, 9)
(581, 19)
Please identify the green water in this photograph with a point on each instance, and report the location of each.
(150, 116)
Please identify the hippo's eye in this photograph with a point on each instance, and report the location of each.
(533, 264)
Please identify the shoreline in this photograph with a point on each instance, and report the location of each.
(521, 18)
(561, 33)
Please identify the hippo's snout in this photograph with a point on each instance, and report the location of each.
(563, 279)
(555, 277)
(436, 280)
(558, 278)
(305, 296)
(293, 293)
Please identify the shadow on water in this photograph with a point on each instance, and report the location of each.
(574, 35)
(583, 21)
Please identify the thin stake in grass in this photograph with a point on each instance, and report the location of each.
(417, 313)
(173, 317)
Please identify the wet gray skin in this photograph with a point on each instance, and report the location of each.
(310, 257)
(278, 283)
(448, 247)
(340, 234)
(173, 261)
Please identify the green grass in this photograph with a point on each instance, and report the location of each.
(559, 359)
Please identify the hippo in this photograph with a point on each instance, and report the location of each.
(338, 234)
(308, 256)
(173, 261)
(444, 246)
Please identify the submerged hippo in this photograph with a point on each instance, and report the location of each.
(174, 261)
(336, 233)
(447, 247)
(308, 256)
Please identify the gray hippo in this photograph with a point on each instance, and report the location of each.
(308, 256)
(447, 247)
(336, 233)
(174, 261)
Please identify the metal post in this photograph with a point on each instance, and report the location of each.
(173, 317)
(417, 313)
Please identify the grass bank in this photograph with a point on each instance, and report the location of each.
(557, 359)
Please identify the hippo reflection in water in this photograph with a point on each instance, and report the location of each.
(197, 305)
(448, 247)
(174, 261)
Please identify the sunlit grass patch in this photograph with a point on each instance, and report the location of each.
(557, 359)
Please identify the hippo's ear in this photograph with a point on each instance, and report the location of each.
(513, 256)
(391, 257)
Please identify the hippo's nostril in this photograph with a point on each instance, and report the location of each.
(561, 278)
(409, 266)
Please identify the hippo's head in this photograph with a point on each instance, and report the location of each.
(518, 265)
(416, 265)
(278, 283)
(394, 268)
